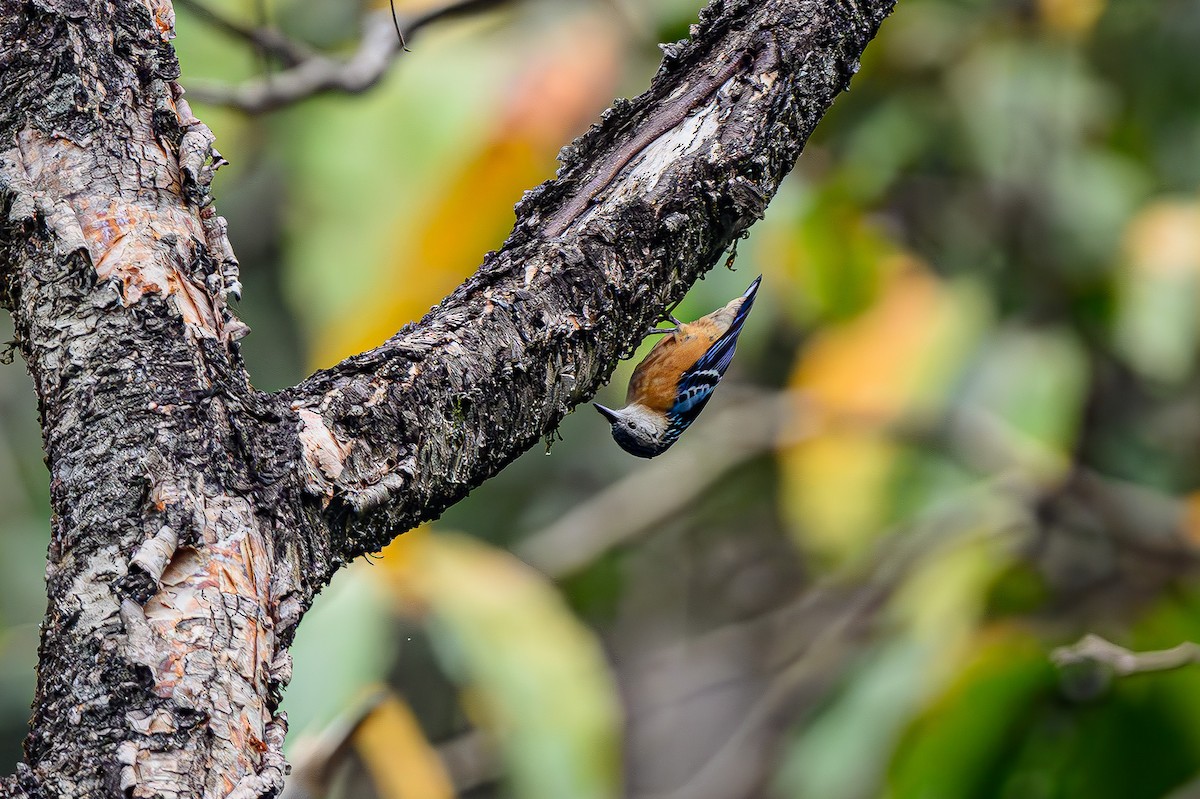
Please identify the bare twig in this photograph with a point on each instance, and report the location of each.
(1123, 662)
(310, 73)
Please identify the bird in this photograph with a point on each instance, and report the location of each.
(674, 382)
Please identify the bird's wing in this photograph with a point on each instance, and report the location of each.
(697, 383)
(694, 391)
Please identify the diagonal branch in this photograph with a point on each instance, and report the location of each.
(268, 39)
(644, 204)
(651, 496)
(310, 73)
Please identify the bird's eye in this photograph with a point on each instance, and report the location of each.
(629, 425)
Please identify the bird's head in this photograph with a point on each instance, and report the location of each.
(637, 429)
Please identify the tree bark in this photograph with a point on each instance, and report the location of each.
(194, 519)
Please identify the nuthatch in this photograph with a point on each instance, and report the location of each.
(673, 384)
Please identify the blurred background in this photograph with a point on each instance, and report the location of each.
(962, 430)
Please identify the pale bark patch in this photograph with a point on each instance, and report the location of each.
(164, 18)
(154, 555)
(145, 247)
(207, 638)
(324, 456)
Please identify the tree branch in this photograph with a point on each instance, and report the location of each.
(644, 204)
(309, 73)
(271, 40)
(1092, 649)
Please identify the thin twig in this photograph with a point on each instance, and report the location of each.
(396, 24)
(1123, 662)
(310, 73)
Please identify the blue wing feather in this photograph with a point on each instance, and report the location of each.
(720, 354)
(697, 383)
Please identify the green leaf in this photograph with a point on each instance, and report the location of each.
(1027, 392)
(951, 751)
(341, 652)
(531, 673)
(1159, 291)
(845, 752)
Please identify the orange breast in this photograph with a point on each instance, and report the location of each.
(656, 378)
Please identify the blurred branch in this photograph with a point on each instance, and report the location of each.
(468, 758)
(664, 488)
(315, 760)
(1123, 662)
(826, 626)
(802, 650)
(310, 73)
(268, 39)
(758, 423)
(1136, 516)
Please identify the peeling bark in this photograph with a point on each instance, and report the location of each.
(194, 518)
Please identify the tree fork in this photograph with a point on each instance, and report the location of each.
(194, 518)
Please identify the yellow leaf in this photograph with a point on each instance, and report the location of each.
(401, 762)
(400, 567)
(471, 211)
(892, 361)
(865, 367)
(843, 475)
(1159, 290)
(1191, 517)
(1164, 238)
(1073, 17)
(942, 601)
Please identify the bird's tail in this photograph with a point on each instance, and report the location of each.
(748, 300)
(750, 292)
(721, 352)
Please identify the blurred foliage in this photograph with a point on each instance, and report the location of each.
(983, 283)
(532, 673)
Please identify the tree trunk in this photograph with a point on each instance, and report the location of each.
(195, 518)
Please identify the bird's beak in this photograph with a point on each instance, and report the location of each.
(607, 413)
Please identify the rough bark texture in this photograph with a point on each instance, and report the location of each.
(194, 518)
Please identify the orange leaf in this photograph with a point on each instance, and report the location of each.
(551, 101)
(401, 762)
(858, 378)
